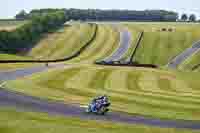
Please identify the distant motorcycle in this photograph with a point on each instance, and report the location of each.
(99, 105)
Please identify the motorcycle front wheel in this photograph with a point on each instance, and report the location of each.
(102, 110)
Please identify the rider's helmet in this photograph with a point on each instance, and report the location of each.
(102, 99)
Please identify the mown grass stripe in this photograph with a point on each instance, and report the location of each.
(161, 46)
(106, 40)
(164, 83)
(142, 103)
(116, 80)
(112, 45)
(65, 41)
(173, 93)
(159, 97)
(180, 86)
(148, 81)
(78, 89)
(77, 80)
(98, 81)
(101, 38)
(134, 88)
(45, 46)
(132, 81)
(58, 82)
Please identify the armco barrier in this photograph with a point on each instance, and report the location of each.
(58, 60)
(137, 46)
(127, 64)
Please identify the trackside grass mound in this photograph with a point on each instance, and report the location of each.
(23, 122)
(64, 42)
(163, 41)
(105, 43)
(148, 92)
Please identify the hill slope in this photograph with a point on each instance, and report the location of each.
(158, 47)
(63, 42)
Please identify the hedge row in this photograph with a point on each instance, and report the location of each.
(24, 37)
(110, 15)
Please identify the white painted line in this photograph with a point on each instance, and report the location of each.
(83, 106)
(2, 84)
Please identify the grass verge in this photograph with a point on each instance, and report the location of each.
(22, 122)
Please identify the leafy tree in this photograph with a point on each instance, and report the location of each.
(184, 17)
(101, 15)
(192, 18)
(25, 36)
(22, 15)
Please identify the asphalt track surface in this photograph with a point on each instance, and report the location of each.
(184, 55)
(12, 75)
(25, 103)
(124, 44)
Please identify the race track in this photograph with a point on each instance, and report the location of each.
(24, 102)
(12, 75)
(124, 44)
(184, 55)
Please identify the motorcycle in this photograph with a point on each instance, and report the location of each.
(99, 108)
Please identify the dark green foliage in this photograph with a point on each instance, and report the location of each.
(111, 15)
(23, 38)
(192, 18)
(184, 17)
(21, 15)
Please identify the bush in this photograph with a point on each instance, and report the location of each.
(24, 36)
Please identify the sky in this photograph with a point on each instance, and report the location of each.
(8, 8)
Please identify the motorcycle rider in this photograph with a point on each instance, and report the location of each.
(98, 102)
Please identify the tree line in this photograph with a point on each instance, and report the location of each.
(188, 18)
(106, 15)
(23, 38)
